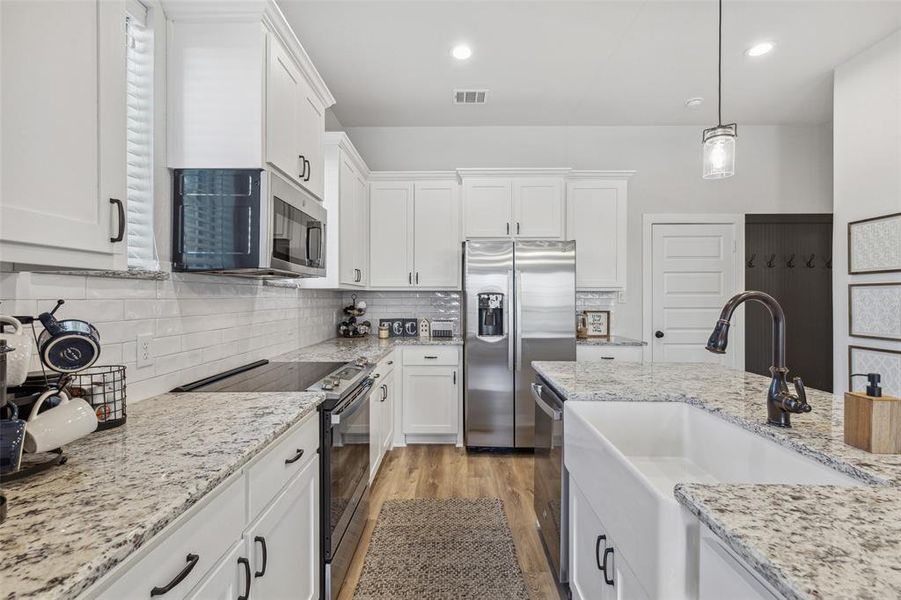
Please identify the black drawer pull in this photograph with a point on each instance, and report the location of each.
(120, 209)
(431, 357)
(597, 550)
(246, 563)
(262, 541)
(192, 562)
(295, 458)
(608, 577)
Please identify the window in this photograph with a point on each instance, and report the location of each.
(139, 87)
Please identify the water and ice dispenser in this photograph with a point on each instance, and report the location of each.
(491, 314)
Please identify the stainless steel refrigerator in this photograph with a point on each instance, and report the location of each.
(520, 306)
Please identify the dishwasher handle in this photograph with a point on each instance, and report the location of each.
(553, 413)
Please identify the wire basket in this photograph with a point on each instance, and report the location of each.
(104, 389)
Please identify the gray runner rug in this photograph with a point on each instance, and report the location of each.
(442, 549)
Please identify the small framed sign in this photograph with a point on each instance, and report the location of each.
(597, 323)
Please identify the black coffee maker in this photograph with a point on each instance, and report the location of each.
(491, 314)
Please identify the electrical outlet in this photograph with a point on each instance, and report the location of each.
(145, 350)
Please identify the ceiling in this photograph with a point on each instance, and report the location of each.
(583, 63)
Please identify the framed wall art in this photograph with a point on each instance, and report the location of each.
(874, 245)
(875, 360)
(597, 323)
(874, 310)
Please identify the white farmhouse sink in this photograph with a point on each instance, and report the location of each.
(627, 456)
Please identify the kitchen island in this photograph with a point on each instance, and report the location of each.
(805, 541)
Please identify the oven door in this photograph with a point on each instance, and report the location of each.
(348, 463)
(297, 232)
(551, 485)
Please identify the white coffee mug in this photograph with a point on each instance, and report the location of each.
(70, 420)
(19, 360)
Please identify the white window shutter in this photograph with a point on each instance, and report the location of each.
(139, 39)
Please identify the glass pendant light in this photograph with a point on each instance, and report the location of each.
(719, 141)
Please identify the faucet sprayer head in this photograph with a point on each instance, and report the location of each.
(719, 339)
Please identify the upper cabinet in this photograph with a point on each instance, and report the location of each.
(596, 210)
(414, 233)
(63, 148)
(516, 203)
(244, 94)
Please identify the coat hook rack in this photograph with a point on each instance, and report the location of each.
(809, 262)
(790, 263)
(751, 261)
(771, 262)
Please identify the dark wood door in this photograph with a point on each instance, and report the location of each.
(789, 256)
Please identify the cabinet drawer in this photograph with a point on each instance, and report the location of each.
(268, 475)
(207, 535)
(385, 366)
(431, 355)
(618, 353)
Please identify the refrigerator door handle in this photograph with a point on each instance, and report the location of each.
(517, 279)
(509, 312)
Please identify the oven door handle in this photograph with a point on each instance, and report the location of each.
(352, 407)
(554, 414)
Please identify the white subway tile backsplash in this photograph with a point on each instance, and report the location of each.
(201, 325)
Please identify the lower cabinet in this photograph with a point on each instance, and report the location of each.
(597, 572)
(283, 544)
(430, 400)
(211, 552)
(381, 414)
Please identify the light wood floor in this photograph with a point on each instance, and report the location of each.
(445, 472)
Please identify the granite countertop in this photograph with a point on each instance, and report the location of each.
(613, 340)
(348, 349)
(826, 541)
(69, 526)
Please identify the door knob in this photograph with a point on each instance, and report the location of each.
(658, 334)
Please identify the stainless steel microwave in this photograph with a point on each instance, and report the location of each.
(246, 222)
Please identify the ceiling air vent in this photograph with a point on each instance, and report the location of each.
(470, 96)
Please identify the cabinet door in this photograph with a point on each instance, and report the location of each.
(430, 400)
(586, 550)
(283, 89)
(390, 233)
(376, 419)
(538, 208)
(283, 544)
(228, 580)
(436, 234)
(487, 208)
(361, 245)
(311, 115)
(387, 426)
(596, 220)
(63, 133)
(351, 225)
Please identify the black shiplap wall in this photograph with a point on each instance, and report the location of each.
(804, 292)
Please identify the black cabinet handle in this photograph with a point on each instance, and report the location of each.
(410, 277)
(120, 209)
(658, 334)
(303, 162)
(246, 563)
(608, 577)
(390, 362)
(455, 378)
(597, 550)
(508, 228)
(431, 357)
(262, 542)
(192, 562)
(308, 169)
(517, 228)
(417, 277)
(294, 458)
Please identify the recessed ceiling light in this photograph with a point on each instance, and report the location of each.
(694, 102)
(461, 52)
(760, 48)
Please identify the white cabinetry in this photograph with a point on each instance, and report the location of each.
(243, 94)
(62, 175)
(520, 204)
(414, 238)
(596, 220)
(381, 414)
(431, 392)
(597, 571)
(262, 522)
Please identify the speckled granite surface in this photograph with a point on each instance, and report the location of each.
(825, 541)
(70, 525)
(347, 349)
(613, 340)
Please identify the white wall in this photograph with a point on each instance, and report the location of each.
(779, 169)
(867, 172)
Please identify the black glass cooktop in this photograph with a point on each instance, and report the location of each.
(265, 377)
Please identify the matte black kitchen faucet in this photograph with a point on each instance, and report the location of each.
(779, 401)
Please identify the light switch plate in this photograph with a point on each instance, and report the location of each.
(145, 351)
